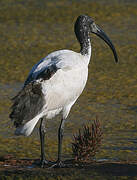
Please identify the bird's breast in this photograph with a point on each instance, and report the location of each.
(64, 87)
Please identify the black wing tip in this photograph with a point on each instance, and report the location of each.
(26, 104)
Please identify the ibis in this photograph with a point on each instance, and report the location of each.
(53, 86)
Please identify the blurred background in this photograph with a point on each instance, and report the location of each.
(30, 30)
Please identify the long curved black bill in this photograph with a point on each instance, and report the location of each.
(99, 32)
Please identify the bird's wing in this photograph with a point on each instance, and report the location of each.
(30, 100)
(45, 73)
(49, 65)
(27, 104)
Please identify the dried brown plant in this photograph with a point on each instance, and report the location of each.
(87, 142)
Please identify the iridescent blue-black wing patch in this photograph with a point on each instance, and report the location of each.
(30, 100)
(45, 74)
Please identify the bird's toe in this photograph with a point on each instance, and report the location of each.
(59, 164)
(45, 162)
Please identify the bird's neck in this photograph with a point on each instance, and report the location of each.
(84, 40)
(86, 48)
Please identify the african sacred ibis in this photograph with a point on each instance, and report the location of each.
(54, 84)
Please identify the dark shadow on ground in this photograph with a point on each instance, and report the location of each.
(29, 168)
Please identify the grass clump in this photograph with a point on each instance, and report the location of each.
(87, 142)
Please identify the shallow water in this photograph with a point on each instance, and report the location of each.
(32, 29)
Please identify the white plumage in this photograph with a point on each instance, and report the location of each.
(63, 88)
(54, 84)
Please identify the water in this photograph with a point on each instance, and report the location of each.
(29, 31)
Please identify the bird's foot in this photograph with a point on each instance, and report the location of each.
(59, 164)
(44, 162)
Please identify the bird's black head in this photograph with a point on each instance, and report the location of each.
(82, 28)
(85, 25)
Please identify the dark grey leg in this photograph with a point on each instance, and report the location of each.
(42, 131)
(60, 138)
(59, 163)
